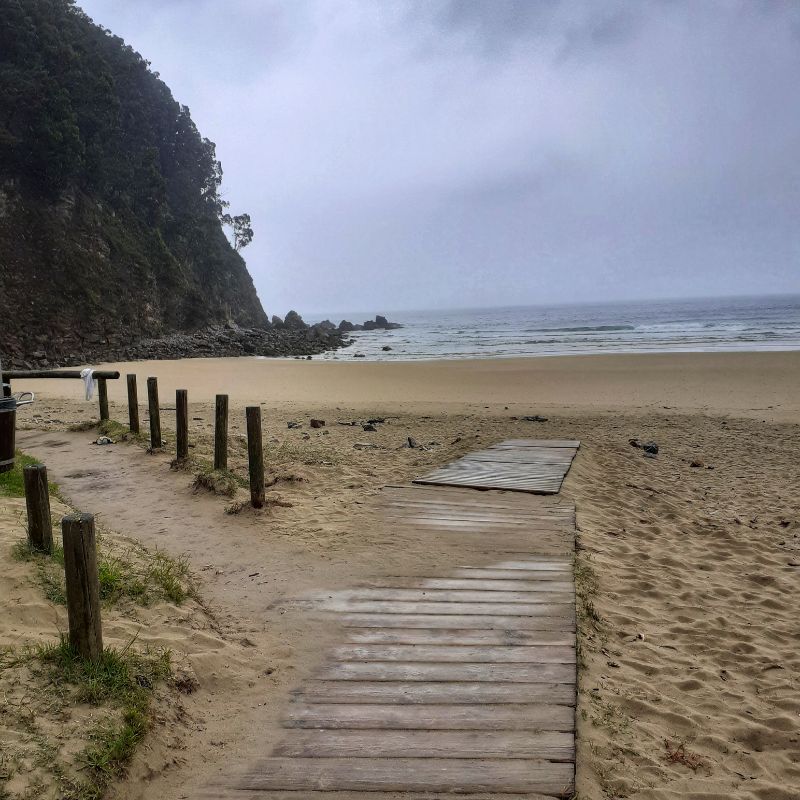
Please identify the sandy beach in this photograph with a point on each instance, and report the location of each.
(689, 672)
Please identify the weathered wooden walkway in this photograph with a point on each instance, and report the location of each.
(457, 681)
(520, 465)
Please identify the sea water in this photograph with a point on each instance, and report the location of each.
(654, 326)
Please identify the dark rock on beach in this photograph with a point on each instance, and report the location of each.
(380, 323)
(217, 341)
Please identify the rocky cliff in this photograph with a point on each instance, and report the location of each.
(110, 215)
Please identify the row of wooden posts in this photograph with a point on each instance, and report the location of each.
(255, 454)
(80, 562)
(78, 530)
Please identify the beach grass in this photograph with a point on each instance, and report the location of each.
(12, 483)
(121, 683)
(136, 574)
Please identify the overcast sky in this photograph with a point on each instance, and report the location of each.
(458, 153)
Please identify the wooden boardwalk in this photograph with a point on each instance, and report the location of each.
(519, 465)
(456, 681)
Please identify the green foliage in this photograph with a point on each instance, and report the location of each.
(143, 579)
(121, 679)
(83, 110)
(12, 483)
(242, 232)
(121, 189)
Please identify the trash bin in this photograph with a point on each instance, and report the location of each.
(8, 427)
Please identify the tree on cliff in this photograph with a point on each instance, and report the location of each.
(121, 188)
(242, 232)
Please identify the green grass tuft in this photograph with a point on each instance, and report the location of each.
(121, 679)
(12, 483)
(151, 576)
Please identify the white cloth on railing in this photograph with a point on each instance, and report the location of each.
(89, 382)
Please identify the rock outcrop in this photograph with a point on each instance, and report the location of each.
(379, 323)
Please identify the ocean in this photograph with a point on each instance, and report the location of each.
(653, 326)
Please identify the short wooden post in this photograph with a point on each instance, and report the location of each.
(37, 499)
(221, 432)
(102, 393)
(255, 456)
(155, 413)
(182, 423)
(83, 585)
(133, 404)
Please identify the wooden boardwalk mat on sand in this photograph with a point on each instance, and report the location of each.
(519, 465)
(460, 681)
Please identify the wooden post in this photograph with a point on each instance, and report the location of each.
(37, 499)
(182, 423)
(255, 456)
(221, 433)
(155, 414)
(133, 404)
(83, 585)
(102, 393)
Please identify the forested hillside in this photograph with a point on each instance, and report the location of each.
(110, 212)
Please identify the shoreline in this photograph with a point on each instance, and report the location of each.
(764, 385)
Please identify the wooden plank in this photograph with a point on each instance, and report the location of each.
(435, 692)
(538, 564)
(459, 637)
(513, 473)
(455, 776)
(512, 574)
(572, 443)
(466, 516)
(504, 585)
(450, 595)
(528, 456)
(390, 671)
(514, 483)
(560, 583)
(469, 654)
(515, 465)
(499, 500)
(550, 746)
(450, 717)
(545, 608)
(564, 622)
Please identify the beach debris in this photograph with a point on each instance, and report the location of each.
(650, 448)
(678, 754)
(185, 682)
(412, 442)
(365, 446)
(317, 423)
(369, 427)
(456, 440)
(294, 424)
(352, 423)
(306, 435)
(104, 440)
(376, 421)
(533, 418)
(697, 463)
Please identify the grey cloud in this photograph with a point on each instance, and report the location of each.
(401, 154)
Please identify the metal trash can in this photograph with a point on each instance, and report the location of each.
(8, 428)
